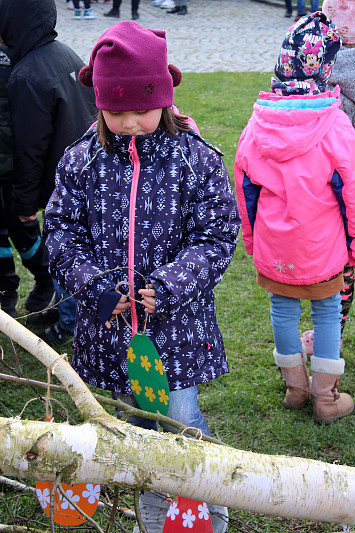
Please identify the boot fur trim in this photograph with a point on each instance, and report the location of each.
(327, 366)
(292, 360)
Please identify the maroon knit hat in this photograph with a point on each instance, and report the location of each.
(129, 69)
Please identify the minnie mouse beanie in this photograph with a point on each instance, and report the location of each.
(129, 70)
(307, 56)
(342, 13)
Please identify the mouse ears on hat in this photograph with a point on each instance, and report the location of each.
(85, 75)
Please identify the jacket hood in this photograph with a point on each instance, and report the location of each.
(288, 127)
(27, 24)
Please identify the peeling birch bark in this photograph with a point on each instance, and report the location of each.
(105, 450)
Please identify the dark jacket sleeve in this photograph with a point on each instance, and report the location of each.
(72, 260)
(32, 126)
(211, 226)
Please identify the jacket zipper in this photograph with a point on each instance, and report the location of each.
(135, 162)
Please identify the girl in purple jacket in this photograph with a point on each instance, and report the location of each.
(295, 182)
(143, 199)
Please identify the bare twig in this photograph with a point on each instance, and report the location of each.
(113, 509)
(77, 508)
(142, 527)
(16, 484)
(51, 505)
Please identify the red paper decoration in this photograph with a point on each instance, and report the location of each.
(185, 515)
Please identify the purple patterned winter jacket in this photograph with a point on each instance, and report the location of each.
(161, 207)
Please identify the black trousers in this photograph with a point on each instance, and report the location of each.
(117, 3)
(26, 237)
(76, 3)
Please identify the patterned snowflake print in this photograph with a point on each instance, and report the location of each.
(279, 266)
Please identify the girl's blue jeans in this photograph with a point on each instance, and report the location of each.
(67, 309)
(326, 318)
(183, 408)
(301, 6)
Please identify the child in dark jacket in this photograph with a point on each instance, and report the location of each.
(143, 192)
(295, 181)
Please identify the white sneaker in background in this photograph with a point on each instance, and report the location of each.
(157, 3)
(167, 4)
(70, 5)
(89, 14)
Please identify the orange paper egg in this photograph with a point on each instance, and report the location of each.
(86, 496)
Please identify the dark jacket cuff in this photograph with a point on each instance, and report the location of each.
(106, 304)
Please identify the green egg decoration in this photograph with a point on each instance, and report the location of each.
(147, 376)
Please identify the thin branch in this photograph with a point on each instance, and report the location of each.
(16, 357)
(7, 508)
(142, 527)
(15, 484)
(77, 508)
(114, 508)
(51, 505)
(128, 409)
(4, 528)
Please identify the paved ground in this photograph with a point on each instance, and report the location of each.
(230, 35)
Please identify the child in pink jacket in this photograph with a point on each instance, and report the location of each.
(342, 14)
(295, 183)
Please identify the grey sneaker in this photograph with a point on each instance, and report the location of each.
(154, 507)
(219, 518)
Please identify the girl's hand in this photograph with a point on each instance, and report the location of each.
(148, 298)
(122, 305)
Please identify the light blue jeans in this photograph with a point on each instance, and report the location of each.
(301, 6)
(326, 317)
(183, 408)
(67, 309)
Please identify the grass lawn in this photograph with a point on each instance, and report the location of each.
(243, 408)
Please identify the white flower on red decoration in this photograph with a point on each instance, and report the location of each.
(188, 519)
(173, 511)
(65, 504)
(92, 492)
(44, 497)
(204, 513)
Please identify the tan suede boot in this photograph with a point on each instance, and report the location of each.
(328, 403)
(294, 371)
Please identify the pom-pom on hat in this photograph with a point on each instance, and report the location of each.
(342, 13)
(307, 56)
(129, 69)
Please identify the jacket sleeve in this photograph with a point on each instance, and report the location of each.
(210, 228)
(31, 116)
(65, 226)
(343, 178)
(247, 199)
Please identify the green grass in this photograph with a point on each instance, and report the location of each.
(243, 408)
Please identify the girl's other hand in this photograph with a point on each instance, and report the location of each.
(122, 305)
(148, 298)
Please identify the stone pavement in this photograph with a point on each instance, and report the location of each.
(229, 35)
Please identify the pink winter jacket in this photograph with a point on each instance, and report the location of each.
(295, 184)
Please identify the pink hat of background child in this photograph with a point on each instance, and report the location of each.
(129, 69)
(342, 13)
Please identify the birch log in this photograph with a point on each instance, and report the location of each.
(107, 451)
